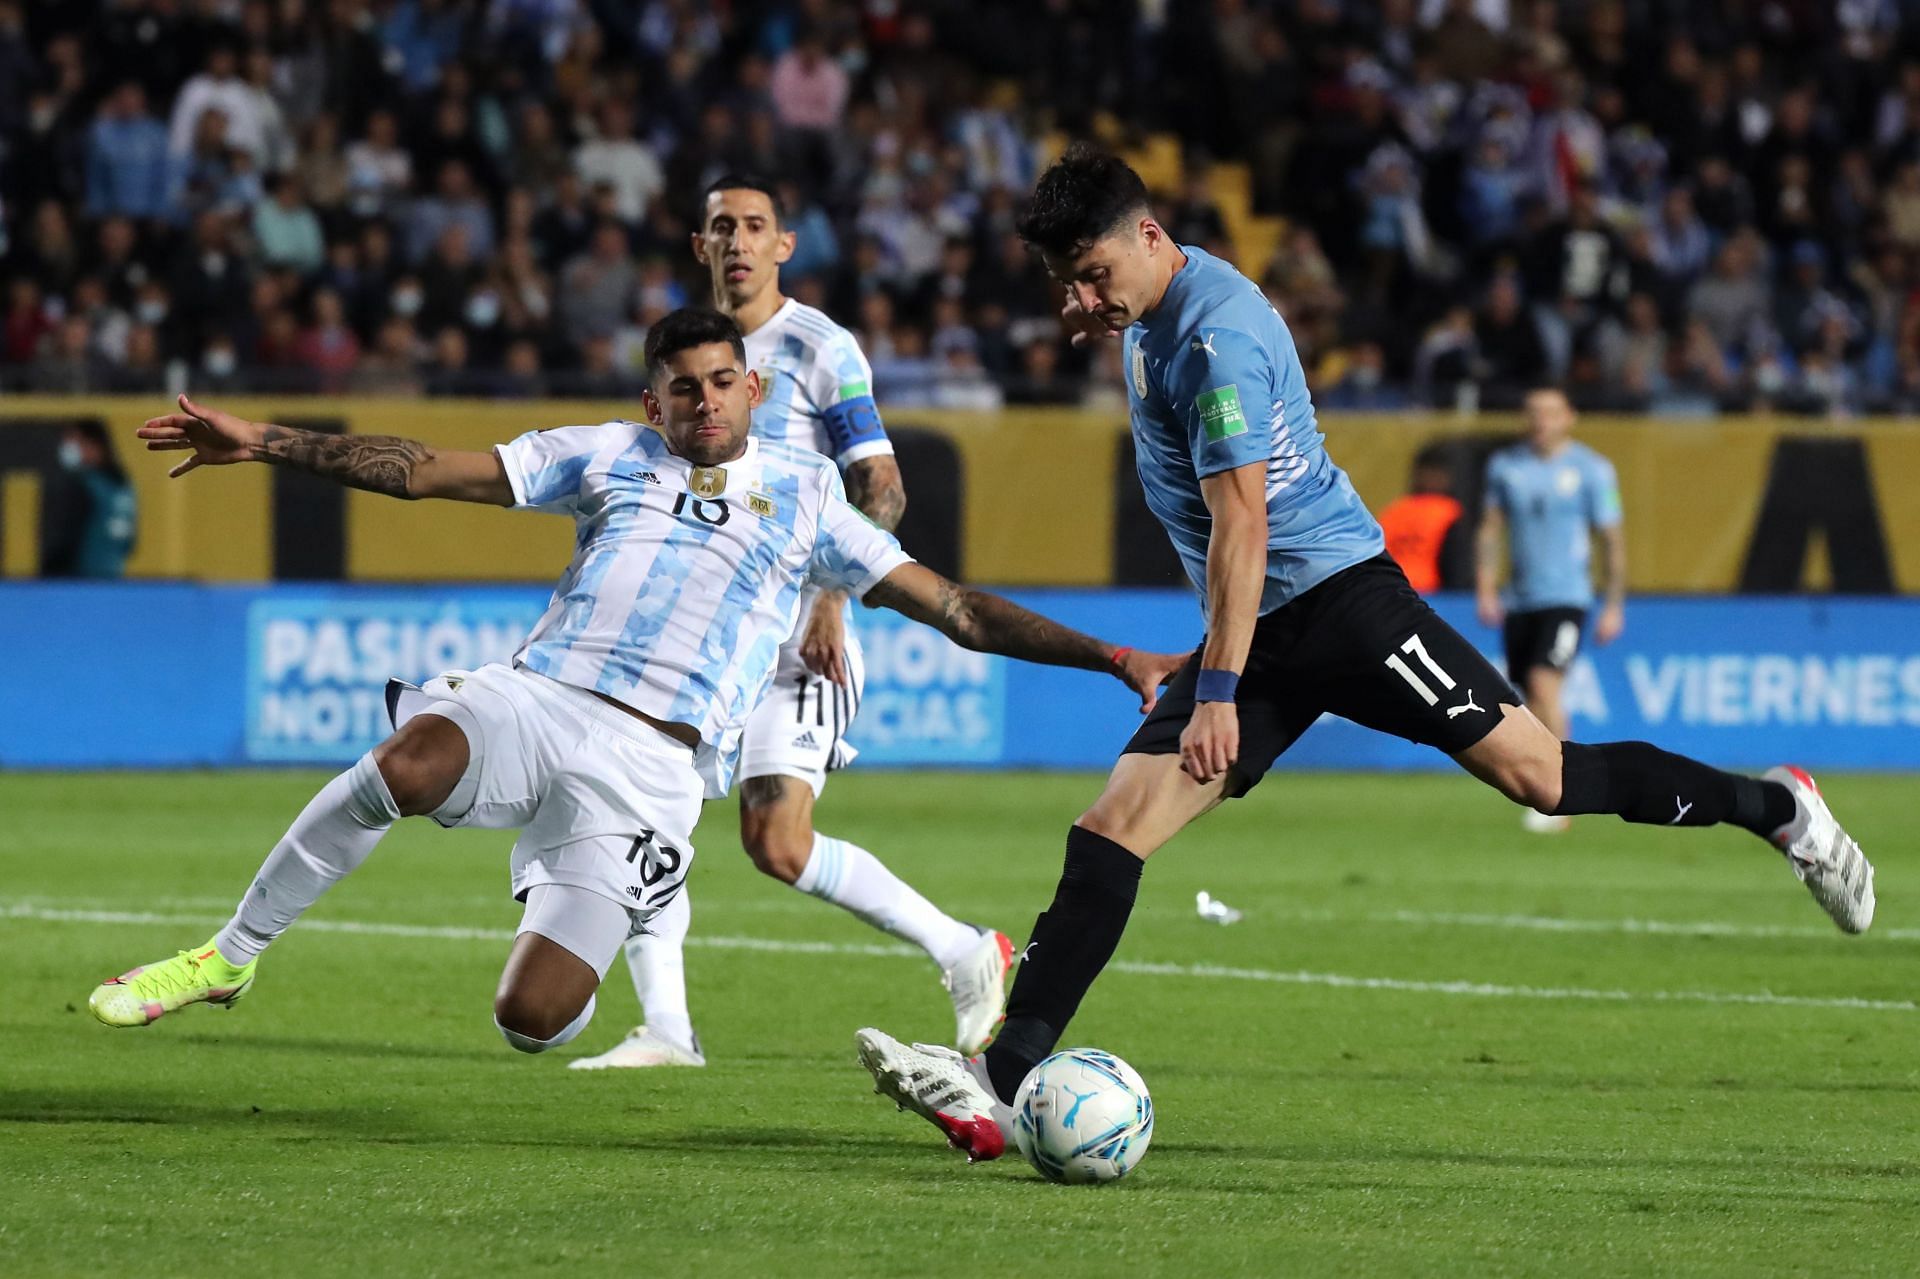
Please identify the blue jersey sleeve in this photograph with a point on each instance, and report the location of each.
(1225, 391)
(844, 394)
(1494, 498)
(1603, 493)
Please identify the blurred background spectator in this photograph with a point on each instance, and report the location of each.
(1685, 208)
(88, 527)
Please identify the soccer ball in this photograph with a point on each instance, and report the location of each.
(1082, 1115)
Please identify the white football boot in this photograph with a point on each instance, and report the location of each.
(942, 1087)
(643, 1047)
(1826, 858)
(978, 985)
(1543, 823)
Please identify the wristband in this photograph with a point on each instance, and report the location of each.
(1215, 686)
(1120, 656)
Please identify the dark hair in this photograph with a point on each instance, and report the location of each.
(687, 328)
(744, 182)
(94, 432)
(1084, 195)
(1437, 456)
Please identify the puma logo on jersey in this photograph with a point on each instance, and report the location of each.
(1206, 344)
(1455, 712)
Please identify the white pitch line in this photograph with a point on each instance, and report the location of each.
(1487, 990)
(1204, 972)
(1649, 927)
(434, 932)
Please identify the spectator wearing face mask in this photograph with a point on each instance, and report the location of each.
(1362, 386)
(91, 514)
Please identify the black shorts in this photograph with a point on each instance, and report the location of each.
(1548, 637)
(1361, 645)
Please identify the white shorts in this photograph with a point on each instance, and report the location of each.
(602, 800)
(582, 922)
(798, 729)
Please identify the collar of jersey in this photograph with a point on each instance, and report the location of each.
(743, 472)
(772, 322)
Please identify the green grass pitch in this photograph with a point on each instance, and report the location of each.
(1435, 1045)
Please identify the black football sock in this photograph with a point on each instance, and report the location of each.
(1071, 942)
(1643, 783)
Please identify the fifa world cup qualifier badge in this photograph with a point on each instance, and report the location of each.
(1220, 413)
(708, 481)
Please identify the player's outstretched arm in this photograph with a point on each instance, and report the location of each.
(385, 464)
(987, 623)
(1613, 595)
(1487, 544)
(1236, 500)
(875, 489)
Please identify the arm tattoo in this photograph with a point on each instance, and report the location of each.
(376, 463)
(987, 623)
(873, 485)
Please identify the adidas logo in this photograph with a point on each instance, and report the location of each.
(806, 741)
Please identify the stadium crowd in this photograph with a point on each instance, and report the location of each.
(1679, 206)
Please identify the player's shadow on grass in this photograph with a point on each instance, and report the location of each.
(367, 1049)
(115, 1107)
(1218, 1153)
(379, 1123)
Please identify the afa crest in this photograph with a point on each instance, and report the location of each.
(762, 505)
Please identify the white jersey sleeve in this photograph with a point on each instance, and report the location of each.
(851, 552)
(547, 469)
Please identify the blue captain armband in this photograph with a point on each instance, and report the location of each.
(853, 421)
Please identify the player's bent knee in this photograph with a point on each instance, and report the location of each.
(1533, 784)
(1105, 822)
(1520, 758)
(1140, 833)
(422, 763)
(535, 1025)
(779, 853)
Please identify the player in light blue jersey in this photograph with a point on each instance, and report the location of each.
(621, 710)
(1215, 353)
(1304, 615)
(817, 398)
(1547, 499)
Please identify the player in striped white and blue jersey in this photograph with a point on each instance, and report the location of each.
(817, 396)
(621, 710)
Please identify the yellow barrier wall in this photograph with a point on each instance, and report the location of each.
(1039, 490)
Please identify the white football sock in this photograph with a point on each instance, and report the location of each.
(657, 960)
(332, 835)
(852, 878)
